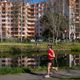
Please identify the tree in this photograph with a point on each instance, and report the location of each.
(54, 20)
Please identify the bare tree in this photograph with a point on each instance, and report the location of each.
(55, 17)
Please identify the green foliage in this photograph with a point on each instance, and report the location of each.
(47, 34)
(45, 21)
(9, 70)
(53, 24)
(14, 70)
(75, 49)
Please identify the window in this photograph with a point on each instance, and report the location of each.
(3, 12)
(3, 20)
(77, 5)
(77, 1)
(77, 10)
(3, 8)
(3, 16)
(76, 14)
(23, 33)
(77, 25)
(77, 19)
(3, 24)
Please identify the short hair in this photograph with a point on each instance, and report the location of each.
(49, 45)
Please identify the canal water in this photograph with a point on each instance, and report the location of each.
(39, 58)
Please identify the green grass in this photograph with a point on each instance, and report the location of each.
(9, 70)
(14, 70)
(42, 45)
(39, 69)
(30, 47)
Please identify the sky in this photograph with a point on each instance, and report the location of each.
(35, 1)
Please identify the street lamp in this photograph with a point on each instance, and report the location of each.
(65, 31)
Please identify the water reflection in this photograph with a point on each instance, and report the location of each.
(39, 58)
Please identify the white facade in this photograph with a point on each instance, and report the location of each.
(74, 19)
(38, 12)
(71, 23)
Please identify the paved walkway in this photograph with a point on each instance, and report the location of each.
(40, 76)
(67, 74)
(22, 76)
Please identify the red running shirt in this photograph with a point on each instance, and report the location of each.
(50, 54)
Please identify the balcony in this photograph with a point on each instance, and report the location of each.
(30, 8)
(31, 19)
(31, 23)
(30, 13)
(77, 21)
(14, 33)
(21, 35)
(76, 14)
(30, 16)
(31, 28)
(77, 29)
(30, 31)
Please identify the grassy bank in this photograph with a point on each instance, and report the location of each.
(20, 48)
(14, 70)
(43, 45)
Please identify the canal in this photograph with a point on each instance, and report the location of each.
(64, 58)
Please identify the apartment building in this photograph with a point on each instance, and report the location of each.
(74, 19)
(20, 20)
(24, 21)
(5, 18)
(16, 20)
(38, 12)
(30, 21)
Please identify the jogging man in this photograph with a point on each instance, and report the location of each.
(51, 56)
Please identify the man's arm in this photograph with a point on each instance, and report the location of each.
(50, 55)
(53, 53)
